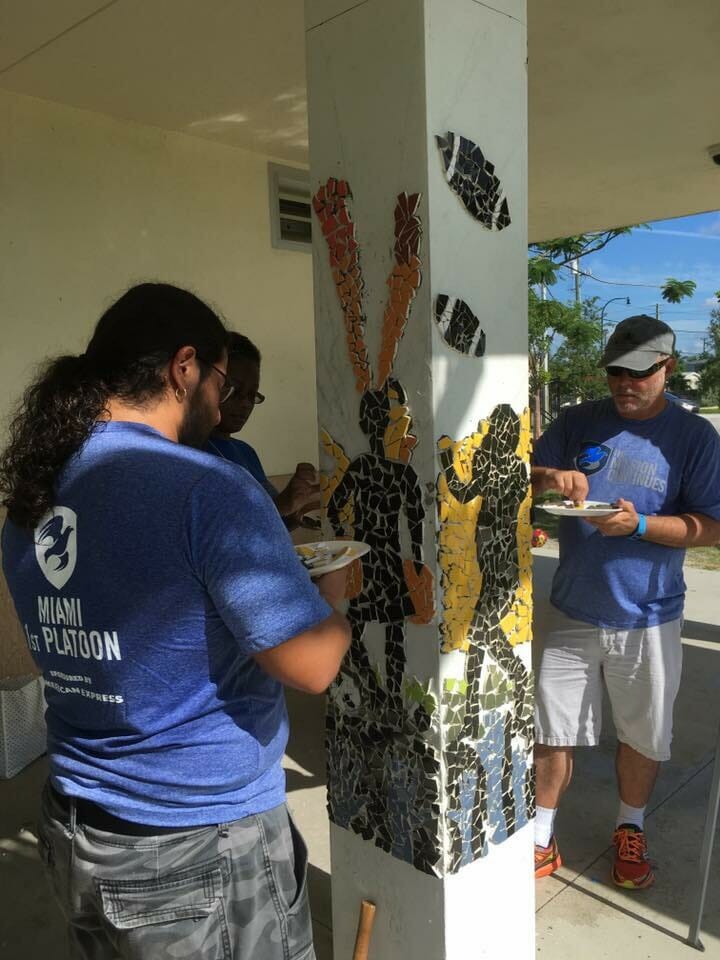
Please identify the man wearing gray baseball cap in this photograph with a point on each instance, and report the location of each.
(618, 592)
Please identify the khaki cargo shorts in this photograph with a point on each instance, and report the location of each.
(640, 668)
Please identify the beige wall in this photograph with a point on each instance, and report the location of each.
(90, 205)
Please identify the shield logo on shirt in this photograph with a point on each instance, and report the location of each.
(592, 457)
(56, 545)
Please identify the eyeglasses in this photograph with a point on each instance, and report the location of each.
(228, 387)
(249, 397)
(636, 374)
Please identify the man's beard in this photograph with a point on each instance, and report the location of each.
(199, 423)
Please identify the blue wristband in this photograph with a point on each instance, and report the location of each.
(641, 529)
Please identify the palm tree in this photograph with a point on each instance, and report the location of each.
(676, 290)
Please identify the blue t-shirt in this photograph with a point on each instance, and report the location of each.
(241, 453)
(667, 465)
(143, 597)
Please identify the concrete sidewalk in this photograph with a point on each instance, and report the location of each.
(579, 913)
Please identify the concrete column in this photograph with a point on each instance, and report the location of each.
(418, 144)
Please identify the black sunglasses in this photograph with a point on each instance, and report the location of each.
(636, 374)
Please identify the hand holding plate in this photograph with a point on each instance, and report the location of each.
(332, 586)
(620, 524)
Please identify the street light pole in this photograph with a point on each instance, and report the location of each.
(602, 317)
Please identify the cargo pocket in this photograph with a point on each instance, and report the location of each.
(289, 879)
(189, 901)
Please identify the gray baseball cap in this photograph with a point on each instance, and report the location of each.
(636, 342)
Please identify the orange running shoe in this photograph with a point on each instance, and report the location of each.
(547, 859)
(632, 869)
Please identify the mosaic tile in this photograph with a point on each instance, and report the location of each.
(484, 558)
(459, 326)
(403, 282)
(384, 769)
(366, 504)
(383, 774)
(474, 180)
(331, 206)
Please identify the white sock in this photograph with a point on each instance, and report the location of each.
(628, 814)
(544, 820)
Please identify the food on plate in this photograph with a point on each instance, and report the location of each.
(314, 556)
(591, 505)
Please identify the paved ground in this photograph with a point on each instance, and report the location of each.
(579, 914)
(714, 419)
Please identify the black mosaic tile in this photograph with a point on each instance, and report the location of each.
(474, 180)
(489, 778)
(459, 326)
(383, 777)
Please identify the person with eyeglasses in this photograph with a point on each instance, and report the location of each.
(618, 591)
(166, 627)
(302, 492)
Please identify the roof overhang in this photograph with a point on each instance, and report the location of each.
(623, 96)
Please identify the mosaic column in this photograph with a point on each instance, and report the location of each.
(418, 143)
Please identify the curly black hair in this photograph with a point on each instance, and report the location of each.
(132, 343)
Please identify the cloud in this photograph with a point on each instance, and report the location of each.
(712, 229)
(710, 302)
(711, 232)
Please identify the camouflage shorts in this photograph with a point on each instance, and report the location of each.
(227, 892)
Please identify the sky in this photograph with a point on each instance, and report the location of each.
(687, 248)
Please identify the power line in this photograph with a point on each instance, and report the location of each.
(613, 283)
(694, 333)
(674, 306)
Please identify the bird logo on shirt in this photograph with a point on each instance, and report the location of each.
(592, 457)
(56, 545)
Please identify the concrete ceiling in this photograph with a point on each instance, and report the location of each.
(624, 96)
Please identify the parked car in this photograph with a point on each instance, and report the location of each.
(685, 402)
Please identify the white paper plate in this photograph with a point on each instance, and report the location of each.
(324, 556)
(591, 508)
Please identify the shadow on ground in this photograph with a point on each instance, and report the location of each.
(580, 914)
(581, 897)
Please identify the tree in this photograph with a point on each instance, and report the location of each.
(574, 364)
(710, 376)
(676, 381)
(676, 290)
(548, 318)
(548, 257)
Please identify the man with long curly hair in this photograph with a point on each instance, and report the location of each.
(165, 626)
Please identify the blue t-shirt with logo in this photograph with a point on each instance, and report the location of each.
(143, 596)
(666, 465)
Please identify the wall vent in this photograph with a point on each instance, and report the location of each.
(290, 210)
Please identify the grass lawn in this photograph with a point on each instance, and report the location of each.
(707, 558)
(709, 409)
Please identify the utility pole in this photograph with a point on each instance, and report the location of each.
(546, 385)
(575, 266)
(657, 311)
